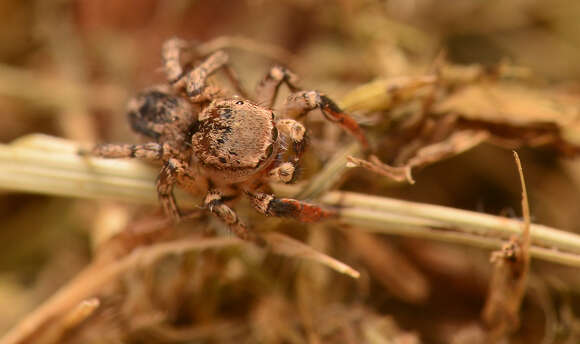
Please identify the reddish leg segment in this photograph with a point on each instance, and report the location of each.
(288, 207)
(300, 103)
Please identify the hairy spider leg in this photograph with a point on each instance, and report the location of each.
(215, 203)
(151, 151)
(194, 80)
(270, 205)
(165, 183)
(267, 89)
(287, 171)
(301, 103)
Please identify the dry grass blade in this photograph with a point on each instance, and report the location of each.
(41, 165)
(70, 321)
(284, 245)
(398, 174)
(391, 216)
(508, 282)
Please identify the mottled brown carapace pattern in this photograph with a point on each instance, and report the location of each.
(221, 145)
(235, 139)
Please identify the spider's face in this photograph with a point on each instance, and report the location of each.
(235, 138)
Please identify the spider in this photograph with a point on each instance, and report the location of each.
(224, 146)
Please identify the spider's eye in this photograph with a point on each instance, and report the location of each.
(239, 102)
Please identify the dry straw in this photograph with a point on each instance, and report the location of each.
(43, 164)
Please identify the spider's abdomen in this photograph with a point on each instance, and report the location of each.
(235, 138)
(159, 115)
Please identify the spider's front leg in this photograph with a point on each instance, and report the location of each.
(287, 171)
(215, 202)
(268, 87)
(168, 177)
(294, 131)
(173, 172)
(300, 103)
(194, 80)
(151, 151)
(270, 205)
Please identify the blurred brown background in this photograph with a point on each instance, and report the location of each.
(68, 67)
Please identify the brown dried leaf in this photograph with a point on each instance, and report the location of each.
(508, 283)
(457, 143)
(510, 104)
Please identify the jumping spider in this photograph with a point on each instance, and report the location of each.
(224, 146)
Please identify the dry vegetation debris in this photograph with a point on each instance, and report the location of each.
(443, 91)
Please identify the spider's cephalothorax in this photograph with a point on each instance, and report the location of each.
(224, 147)
(235, 139)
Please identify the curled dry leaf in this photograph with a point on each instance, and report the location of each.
(457, 143)
(508, 282)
